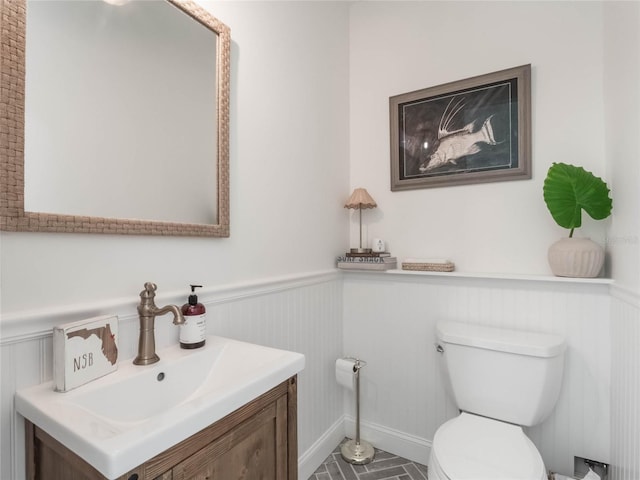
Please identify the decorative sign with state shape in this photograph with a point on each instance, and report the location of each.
(84, 351)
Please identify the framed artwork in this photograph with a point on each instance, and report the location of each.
(470, 131)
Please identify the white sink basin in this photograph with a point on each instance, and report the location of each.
(121, 420)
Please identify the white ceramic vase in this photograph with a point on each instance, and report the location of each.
(576, 257)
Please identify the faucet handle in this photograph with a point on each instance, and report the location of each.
(149, 290)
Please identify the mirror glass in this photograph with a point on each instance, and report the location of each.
(120, 106)
(125, 118)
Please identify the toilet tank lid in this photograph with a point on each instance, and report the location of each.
(501, 339)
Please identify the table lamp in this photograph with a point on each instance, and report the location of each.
(360, 199)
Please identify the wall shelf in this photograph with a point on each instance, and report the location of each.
(489, 276)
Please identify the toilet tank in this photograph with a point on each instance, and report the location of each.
(509, 375)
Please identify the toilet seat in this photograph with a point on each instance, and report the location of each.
(470, 447)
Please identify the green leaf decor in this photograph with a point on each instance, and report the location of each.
(569, 189)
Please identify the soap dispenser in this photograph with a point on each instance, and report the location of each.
(194, 330)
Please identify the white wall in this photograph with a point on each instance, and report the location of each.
(309, 122)
(622, 114)
(622, 100)
(584, 61)
(390, 321)
(625, 387)
(398, 47)
(302, 313)
(289, 151)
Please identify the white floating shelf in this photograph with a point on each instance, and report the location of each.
(491, 276)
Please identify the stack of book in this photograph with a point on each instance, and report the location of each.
(367, 261)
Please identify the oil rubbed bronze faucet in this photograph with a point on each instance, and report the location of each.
(147, 312)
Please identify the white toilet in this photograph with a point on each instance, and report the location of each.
(500, 379)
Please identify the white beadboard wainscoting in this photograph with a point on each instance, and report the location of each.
(389, 321)
(625, 385)
(301, 313)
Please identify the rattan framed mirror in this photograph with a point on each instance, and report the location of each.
(14, 216)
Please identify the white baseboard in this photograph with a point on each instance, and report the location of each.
(310, 460)
(411, 447)
(408, 446)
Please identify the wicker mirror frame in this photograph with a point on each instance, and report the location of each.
(14, 218)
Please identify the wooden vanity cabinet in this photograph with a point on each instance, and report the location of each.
(258, 441)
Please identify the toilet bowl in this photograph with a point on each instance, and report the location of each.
(500, 380)
(470, 447)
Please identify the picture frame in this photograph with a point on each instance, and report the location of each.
(469, 131)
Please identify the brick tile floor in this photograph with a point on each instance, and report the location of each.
(385, 466)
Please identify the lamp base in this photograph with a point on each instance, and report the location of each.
(357, 453)
(360, 250)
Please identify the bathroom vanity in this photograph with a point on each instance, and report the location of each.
(256, 441)
(225, 411)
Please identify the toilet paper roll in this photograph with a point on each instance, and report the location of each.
(345, 373)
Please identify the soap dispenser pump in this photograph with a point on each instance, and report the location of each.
(194, 330)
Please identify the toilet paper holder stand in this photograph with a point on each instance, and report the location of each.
(357, 451)
(358, 363)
